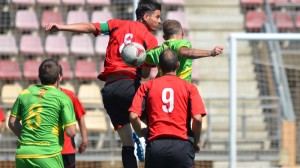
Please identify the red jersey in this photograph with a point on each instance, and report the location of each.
(2, 118)
(123, 32)
(79, 112)
(170, 104)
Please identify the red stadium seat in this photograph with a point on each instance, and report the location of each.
(173, 2)
(77, 17)
(98, 2)
(26, 20)
(8, 45)
(73, 2)
(31, 45)
(181, 17)
(24, 2)
(255, 20)
(9, 70)
(101, 45)
(281, 1)
(48, 2)
(31, 69)
(295, 1)
(56, 45)
(101, 16)
(252, 3)
(82, 45)
(283, 21)
(297, 20)
(67, 73)
(51, 16)
(85, 70)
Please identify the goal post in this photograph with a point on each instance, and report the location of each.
(233, 106)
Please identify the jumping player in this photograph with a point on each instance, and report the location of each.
(170, 103)
(121, 81)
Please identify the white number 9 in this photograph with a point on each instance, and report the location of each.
(168, 101)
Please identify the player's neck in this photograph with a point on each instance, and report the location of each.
(169, 73)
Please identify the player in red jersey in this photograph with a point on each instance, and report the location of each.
(170, 103)
(121, 81)
(2, 119)
(69, 150)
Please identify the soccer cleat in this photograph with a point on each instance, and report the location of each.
(140, 150)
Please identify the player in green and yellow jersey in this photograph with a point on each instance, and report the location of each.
(173, 34)
(45, 112)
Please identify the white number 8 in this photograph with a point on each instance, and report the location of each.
(168, 102)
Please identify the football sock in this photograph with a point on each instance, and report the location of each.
(128, 157)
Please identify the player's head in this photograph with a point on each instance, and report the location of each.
(148, 12)
(49, 72)
(168, 61)
(172, 28)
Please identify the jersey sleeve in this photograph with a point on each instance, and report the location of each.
(102, 28)
(152, 56)
(197, 106)
(68, 114)
(181, 43)
(15, 111)
(2, 118)
(137, 103)
(78, 108)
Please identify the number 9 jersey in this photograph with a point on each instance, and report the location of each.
(44, 112)
(169, 103)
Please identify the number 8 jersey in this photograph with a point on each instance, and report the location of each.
(44, 111)
(169, 103)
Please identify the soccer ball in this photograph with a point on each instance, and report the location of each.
(133, 54)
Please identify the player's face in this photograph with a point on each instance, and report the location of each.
(153, 20)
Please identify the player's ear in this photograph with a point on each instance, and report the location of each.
(59, 78)
(165, 37)
(178, 64)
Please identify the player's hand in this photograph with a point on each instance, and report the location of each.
(52, 27)
(83, 146)
(144, 132)
(217, 51)
(196, 147)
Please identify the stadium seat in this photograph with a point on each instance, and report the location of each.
(251, 3)
(49, 16)
(181, 17)
(6, 22)
(73, 2)
(195, 73)
(31, 69)
(10, 70)
(24, 2)
(77, 17)
(102, 66)
(173, 2)
(283, 21)
(26, 20)
(85, 70)
(160, 40)
(98, 2)
(31, 45)
(10, 93)
(255, 20)
(82, 45)
(67, 85)
(101, 16)
(56, 45)
(297, 20)
(8, 45)
(101, 45)
(48, 2)
(67, 73)
(89, 94)
(295, 1)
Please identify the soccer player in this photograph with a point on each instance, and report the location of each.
(122, 81)
(173, 34)
(170, 103)
(45, 113)
(2, 119)
(69, 150)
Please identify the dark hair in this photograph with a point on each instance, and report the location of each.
(168, 60)
(171, 27)
(146, 6)
(49, 71)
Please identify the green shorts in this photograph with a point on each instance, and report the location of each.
(55, 161)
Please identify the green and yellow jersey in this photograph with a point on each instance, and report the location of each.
(44, 112)
(185, 69)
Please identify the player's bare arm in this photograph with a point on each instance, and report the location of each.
(71, 130)
(136, 124)
(84, 137)
(192, 53)
(15, 125)
(77, 27)
(196, 128)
